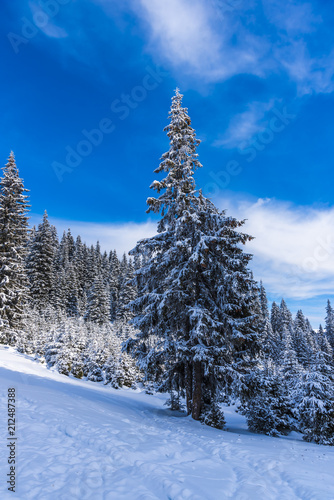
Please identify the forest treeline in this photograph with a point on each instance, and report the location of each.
(183, 314)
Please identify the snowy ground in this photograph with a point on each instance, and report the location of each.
(81, 440)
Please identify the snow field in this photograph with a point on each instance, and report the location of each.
(83, 440)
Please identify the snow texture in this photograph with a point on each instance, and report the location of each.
(82, 440)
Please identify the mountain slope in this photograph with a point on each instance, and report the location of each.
(78, 439)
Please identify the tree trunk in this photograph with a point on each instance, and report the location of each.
(189, 386)
(197, 390)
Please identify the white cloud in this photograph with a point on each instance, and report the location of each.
(246, 125)
(294, 21)
(293, 246)
(310, 74)
(216, 40)
(185, 33)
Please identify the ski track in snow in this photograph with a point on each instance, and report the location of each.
(83, 440)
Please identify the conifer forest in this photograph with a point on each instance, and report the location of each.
(180, 314)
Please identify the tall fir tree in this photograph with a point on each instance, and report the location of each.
(329, 322)
(79, 264)
(286, 321)
(41, 264)
(323, 344)
(114, 282)
(195, 308)
(275, 317)
(127, 294)
(13, 247)
(263, 301)
(314, 395)
(98, 302)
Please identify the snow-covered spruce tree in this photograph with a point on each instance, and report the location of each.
(79, 264)
(286, 321)
(290, 367)
(269, 342)
(268, 406)
(98, 302)
(127, 294)
(59, 291)
(13, 243)
(263, 301)
(275, 317)
(323, 343)
(114, 280)
(329, 322)
(72, 293)
(195, 304)
(281, 321)
(299, 341)
(268, 412)
(266, 334)
(314, 396)
(41, 264)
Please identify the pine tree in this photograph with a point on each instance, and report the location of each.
(290, 367)
(98, 302)
(63, 257)
(105, 268)
(275, 317)
(59, 292)
(274, 340)
(72, 294)
(299, 339)
(311, 338)
(315, 395)
(195, 304)
(41, 264)
(13, 243)
(263, 301)
(92, 266)
(329, 322)
(269, 343)
(300, 321)
(79, 264)
(268, 411)
(70, 245)
(286, 321)
(127, 294)
(114, 281)
(323, 343)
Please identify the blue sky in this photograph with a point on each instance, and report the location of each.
(257, 78)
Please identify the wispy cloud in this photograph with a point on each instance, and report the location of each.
(246, 125)
(186, 34)
(294, 22)
(212, 41)
(311, 74)
(217, 40)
